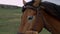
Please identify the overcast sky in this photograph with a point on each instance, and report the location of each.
(20, 2)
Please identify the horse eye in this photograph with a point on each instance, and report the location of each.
(30, 17)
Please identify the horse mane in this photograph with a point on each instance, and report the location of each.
(51, 8)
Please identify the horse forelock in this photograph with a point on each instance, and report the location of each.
(28, 3)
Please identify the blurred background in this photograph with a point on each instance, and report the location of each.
(10, 13)
(9, 19)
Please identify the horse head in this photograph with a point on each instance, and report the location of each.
(31, 18)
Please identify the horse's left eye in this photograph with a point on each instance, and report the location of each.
(30, 17)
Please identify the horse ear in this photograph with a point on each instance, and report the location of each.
(24, 2)
(36, 3)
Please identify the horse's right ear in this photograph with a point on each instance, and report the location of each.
(24, 2)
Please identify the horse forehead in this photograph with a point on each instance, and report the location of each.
(29, 8)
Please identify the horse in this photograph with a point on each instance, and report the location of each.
(38, 15)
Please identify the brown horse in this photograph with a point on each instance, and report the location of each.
(38, 15)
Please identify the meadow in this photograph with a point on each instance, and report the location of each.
(10, 21)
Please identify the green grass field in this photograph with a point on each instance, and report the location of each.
(10, 20)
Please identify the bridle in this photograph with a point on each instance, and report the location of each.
(31, 7)
(35, 9)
